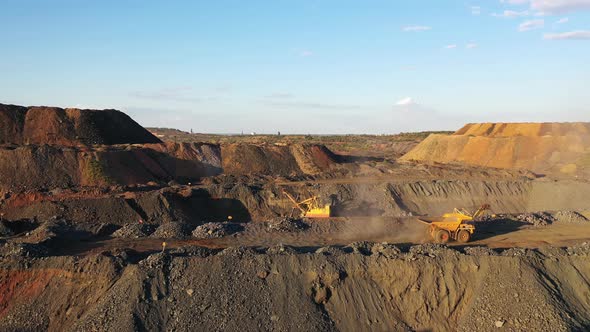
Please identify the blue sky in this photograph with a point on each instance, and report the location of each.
(301, 66)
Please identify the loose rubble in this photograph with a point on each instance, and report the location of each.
(536, 219)
(172, 230)
(570, 217)
(135, 231)
(216, 230)
(286, 225)
(193, 288)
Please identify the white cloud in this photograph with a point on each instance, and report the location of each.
(471, 45)
(571, 35)
(475, 10)
(280, 95)
(515, 2)
(512, 14)
(531, 25)
(560, 6)
(562, 20)
(451, 46)
(416, 28)
(406, 102)
(552, 6)
(305, 53)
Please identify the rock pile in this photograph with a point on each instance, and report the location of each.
(135, 231)
(11, 249)
(284, 224)
(214, 230)
(537, 219)
(171, 230)
(570, 217)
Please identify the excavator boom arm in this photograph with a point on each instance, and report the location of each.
(297, 205)
(481, 210)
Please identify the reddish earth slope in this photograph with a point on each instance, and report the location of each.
(42, 166)
(276, 159)
(29, 167)
(551, 148)
(69, 127)
(50, 147)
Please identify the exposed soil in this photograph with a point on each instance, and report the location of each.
(58, 167)
(104, 228)
(276, 159)
(558, 149)
(69, 127)
(380, 287)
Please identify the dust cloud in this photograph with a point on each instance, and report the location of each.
(383, 229)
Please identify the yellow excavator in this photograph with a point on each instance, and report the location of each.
(457, 225)
(310, 208)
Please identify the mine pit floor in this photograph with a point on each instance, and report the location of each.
(344, 231)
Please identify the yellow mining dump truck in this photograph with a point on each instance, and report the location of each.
(310, 208)
(456, 225)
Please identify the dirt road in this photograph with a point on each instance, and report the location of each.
(345, 231)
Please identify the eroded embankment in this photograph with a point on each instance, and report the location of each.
(33, 167)
(29, 167)
(191, 205)
(362, 287)
(260, 201)
(277, 160)
(399, 198)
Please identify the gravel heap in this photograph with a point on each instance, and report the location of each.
(361, 247)
(537, 219)
(134, 231)
(582, 249)
(48, 231)
(215, 230)
(281, 249)
(570, 217)
(286, 225)
(22, 250)
(194, 251)
(480, 251)
(431, 250)
(171, 230)
(387, 250)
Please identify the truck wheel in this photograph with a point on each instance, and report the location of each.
(463, 236)
(432, 231)
(442, 236)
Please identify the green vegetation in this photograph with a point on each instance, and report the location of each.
(96, 172)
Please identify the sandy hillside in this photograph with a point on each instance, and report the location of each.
(561, 149)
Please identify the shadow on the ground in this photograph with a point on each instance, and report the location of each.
(491, 228)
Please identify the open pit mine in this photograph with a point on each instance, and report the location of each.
(108, 226)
